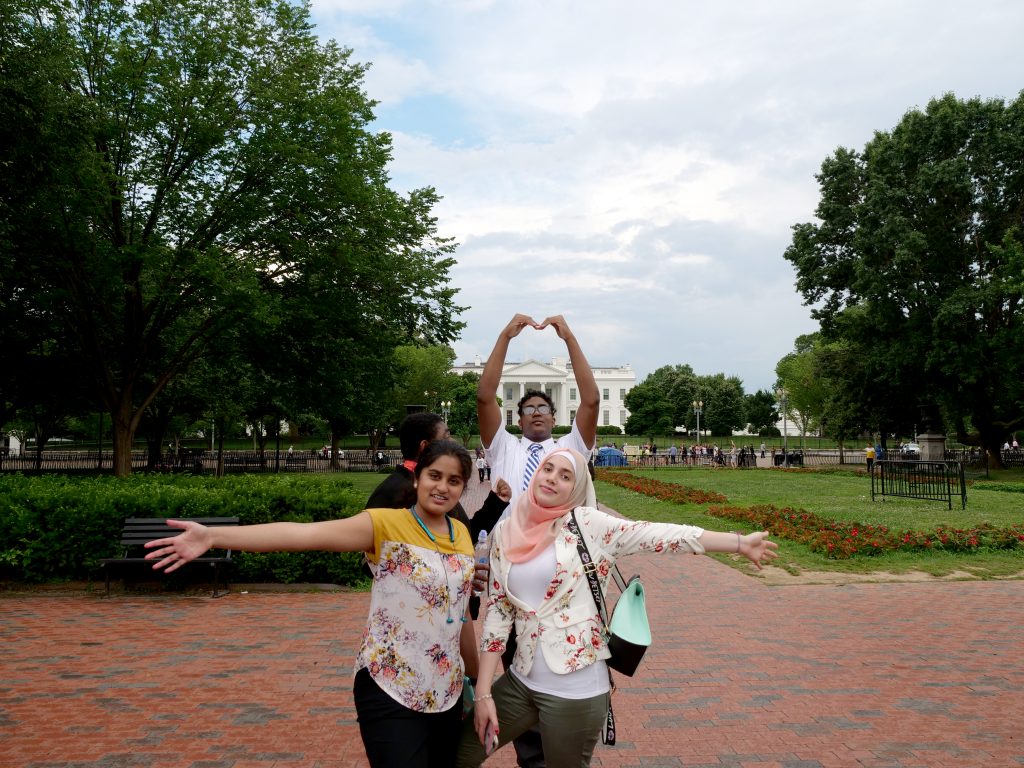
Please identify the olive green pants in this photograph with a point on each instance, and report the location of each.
(569, 728)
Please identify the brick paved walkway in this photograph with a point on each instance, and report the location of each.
(886, 675)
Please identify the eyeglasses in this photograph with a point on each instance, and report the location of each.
(543, 410)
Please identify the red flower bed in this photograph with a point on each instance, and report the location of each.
(845, 540)
(678, 494)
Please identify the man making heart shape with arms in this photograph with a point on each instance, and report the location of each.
(515, 459)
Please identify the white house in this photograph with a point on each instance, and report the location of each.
(557, 380)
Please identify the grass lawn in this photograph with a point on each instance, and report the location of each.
(365, 482)
(845, 497)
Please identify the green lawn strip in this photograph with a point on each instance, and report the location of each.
(837, 497)
(364, 482)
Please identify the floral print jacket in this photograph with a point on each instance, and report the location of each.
(567, 626)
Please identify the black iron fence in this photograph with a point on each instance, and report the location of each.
(930, 480)
(203, 462)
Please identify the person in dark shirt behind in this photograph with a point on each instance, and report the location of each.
(398, 490)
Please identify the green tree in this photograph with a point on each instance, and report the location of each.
(806, 390)
(723, 403)
(760, 411)
(660, 403)
(917, 263)
(461, 391)
(182, 168)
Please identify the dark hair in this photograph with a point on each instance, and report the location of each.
(439, 448)
(534, 393)
(414, 429)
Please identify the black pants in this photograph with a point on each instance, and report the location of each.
(395, 736)
(528, 745)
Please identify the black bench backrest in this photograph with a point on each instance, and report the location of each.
(138, 530)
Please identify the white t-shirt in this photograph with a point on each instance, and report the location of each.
(529, 582)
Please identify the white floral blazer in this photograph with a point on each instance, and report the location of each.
(567, 625)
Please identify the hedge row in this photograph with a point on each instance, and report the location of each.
(55, 528)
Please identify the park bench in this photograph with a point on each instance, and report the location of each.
(139, 530)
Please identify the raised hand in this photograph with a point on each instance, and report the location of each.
(503, 490)
(516, 325)
(174, 551)
(559, 324)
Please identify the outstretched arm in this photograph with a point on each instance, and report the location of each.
(487, 411)
(590, 397)
(352, 534)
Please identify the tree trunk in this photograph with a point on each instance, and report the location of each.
(338, 428)
(219, 471)
(993, 447)
(123, 433)
(154, 454)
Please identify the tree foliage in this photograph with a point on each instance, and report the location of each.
(180, 169)
(663, 401)
(916, 266)
(760, 410)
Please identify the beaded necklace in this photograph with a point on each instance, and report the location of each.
(444, 569)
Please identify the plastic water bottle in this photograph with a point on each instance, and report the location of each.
(482, 552)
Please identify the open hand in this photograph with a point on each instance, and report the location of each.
(174, 551)
(757, 548)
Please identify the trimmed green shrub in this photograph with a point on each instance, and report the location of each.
(55, 528)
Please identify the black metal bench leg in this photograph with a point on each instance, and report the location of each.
(216, 581)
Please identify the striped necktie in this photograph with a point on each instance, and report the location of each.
(532, 462)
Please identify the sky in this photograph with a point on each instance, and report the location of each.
(638, 166)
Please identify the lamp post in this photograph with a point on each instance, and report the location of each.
(446, 410)
(698, 409)
(783, 396)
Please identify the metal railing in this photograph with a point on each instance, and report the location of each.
(202, 462)
(929, 480)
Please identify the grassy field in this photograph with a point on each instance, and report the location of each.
(847, 497)
(364, 482)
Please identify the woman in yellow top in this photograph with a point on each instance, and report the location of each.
(418, 643)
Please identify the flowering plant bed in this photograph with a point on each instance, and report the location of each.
(845, 540)
(672, 492)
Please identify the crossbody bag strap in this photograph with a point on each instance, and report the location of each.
(589, 568)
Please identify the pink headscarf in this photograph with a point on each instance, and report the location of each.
(531, 528)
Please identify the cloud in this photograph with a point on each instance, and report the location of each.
(639, 168)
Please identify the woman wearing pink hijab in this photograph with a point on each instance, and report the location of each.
(559, 678)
